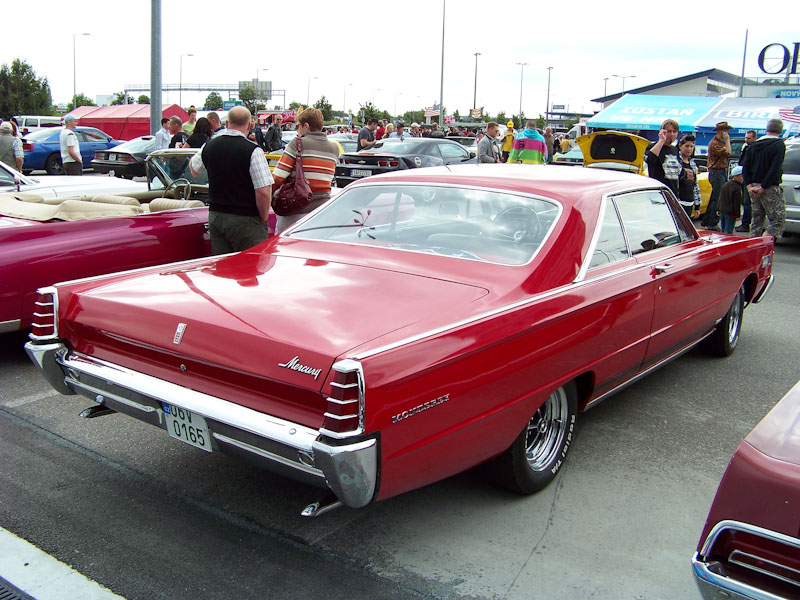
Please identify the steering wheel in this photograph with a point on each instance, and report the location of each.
(517, 224)
(187, 190)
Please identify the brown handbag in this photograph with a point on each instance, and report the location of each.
(295, 193)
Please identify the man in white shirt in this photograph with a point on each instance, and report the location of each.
(70, 147)
(163, 135)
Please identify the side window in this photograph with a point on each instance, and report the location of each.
(611, 245)
(93, 136)
(453, 152)
(79, 136)
(648, 221)
(791, 162)
(433, 150)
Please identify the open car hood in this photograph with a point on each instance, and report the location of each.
(613, 150)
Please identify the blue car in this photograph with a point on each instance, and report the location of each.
(43, 151)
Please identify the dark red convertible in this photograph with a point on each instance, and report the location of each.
(421, 323)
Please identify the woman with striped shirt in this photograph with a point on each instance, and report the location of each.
(319, 156)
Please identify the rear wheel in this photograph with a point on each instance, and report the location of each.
(726, 335)
(53, 165)
(539, 451)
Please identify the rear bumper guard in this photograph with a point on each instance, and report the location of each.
(349, 469)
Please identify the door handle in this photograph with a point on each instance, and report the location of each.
(663, 268)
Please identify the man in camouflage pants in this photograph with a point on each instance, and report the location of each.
(763, 172)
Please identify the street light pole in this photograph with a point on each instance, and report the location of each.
(257, 72)
(74, 69)
(344, 98)
(475, 93)
(547, 108)
(308, 91)
(521, 70)
(605, 86)
(180, 82)
(624, 77)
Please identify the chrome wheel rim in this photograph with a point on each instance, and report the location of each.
(546, 431)
(735, 320)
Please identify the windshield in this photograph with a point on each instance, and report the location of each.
(462, 223)
(168, 167)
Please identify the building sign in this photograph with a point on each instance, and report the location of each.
(558, 106)
(787, 93)
(229, 104)
(782, 56)
(476, 113)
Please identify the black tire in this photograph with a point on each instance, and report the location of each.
(538, 453)
(27, 171)
(53, 165)
(726, 334)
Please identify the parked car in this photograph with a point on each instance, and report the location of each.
(127, 159)
(394, 154)
(57, 186)
(750, 546)
(469, 142)
(420, 323)
(43, 150)
(573, 156)
(29, 123)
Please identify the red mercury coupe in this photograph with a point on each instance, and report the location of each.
(419, 324)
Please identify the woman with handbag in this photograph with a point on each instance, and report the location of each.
(309, 162)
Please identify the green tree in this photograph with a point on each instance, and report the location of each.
(21, 92)
(413, 116)
(249, 98)
(325, 107)
(456, 116)
(213, 101)
(369, 111)
(502, 119)
(143, 99)
(119, 98)
(80, 100)
(540, 121)
(294, 105)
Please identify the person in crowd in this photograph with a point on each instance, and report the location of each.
(10, 147)
(256, 135)
(719, 150)
(319, 156)
(508, 141)
(549, 141)
(202, 133)
(274, 133)
(216, 126)
(400, 132)
(367, 135)
(388, 131)
(729, 204)
(529, 147)
(688, 190)
(662, 159)
(176, 129)
(163, 135)
(188, 127)
(435, 131)
(747, 212)
(239, 186)
(763, 172)
(70, 147)
(381, 129)
(564, 144)
(415, 132)
(487, 145)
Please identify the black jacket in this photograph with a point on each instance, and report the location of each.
(763, 163)
(273, 138)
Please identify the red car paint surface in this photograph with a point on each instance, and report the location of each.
(456, 354)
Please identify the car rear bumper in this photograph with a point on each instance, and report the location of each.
(349, 469)
(136, 169)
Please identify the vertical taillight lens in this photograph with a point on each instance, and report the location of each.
(44, 315)
(344, 414)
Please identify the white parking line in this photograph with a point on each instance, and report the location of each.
(40, 575)
(28, 399)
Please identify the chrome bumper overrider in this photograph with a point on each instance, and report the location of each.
(349, 469)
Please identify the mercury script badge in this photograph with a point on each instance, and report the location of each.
(179, 333)
(295, 365)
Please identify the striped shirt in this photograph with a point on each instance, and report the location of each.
(320, 156)
(529, 148)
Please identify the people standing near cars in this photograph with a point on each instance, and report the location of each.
(662, 159)
(366, 137)
(188, 127)
(529, 147)
(549, 141)
(688, 190)
(10, 147)
(216, 126)
(70, 147)
(487, 145)
(747, 212)
(729, 205)
(239, 186)
(381, 129)
(763, 172)
(508, 141)
(176, 129)
(400, 133)
(388, 131)
(319, 157)
(202, 133)
(163, 135)
(435, 131)
(256, 135)
(719, 150)
(274, 133)
(415, 132)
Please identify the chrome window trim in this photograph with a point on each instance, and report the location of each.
(527, 196)
(606, 200)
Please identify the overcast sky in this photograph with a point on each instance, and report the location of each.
(323, 46)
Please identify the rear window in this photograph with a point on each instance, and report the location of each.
(42, 134)
(397, 145)
(138, 145)
(791, 161)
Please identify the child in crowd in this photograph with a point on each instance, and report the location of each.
(729, 207)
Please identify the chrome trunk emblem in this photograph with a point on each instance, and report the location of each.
(295, 365)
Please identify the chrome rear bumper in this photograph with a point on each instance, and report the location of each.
(349, 469)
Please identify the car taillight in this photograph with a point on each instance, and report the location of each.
(27, 147)
(388, 163)
(344, 415)
(98, 156)
(125, 158)
(45, 309)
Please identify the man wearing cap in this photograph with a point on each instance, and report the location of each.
(729, 206)
(415, 132)
(399, 132)
(763, 173)
(70, 148)
(10, 147)
(719, 150)
(508, 141)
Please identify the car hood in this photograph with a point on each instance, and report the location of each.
(253, 311)
(62, 186)
(609, 149)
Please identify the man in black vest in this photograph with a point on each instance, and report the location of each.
(239, 186)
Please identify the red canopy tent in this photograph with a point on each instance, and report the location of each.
(123, 121)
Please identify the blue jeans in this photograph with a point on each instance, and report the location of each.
(727, 223)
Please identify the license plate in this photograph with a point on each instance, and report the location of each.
(186, 426)
(112, 157)
(360, 173)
